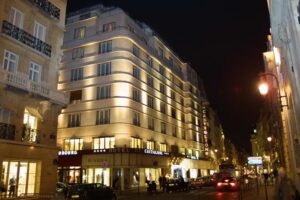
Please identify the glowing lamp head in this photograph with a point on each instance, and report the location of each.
(263, 88)
(269, 139)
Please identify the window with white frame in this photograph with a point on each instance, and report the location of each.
(136, 72)
(35, 72)
(5, 116)
(109, 27)
(136, 119)
(73, 144)
(78, 53)
(150, 144)
(76, 74)
(74, 120)
(39, 31)
(105, 47)
(104, 69)
(104, 92)
(16, 17)
(163, 127)
(79, 33)
(136, 95)
(103, 117)
(10, 61)
(163, 147)
(151, 123)
(104, 143)
(136, 143)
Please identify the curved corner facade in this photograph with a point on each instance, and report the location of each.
(135, 110)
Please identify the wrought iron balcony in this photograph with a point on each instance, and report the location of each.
(7, 131)
(26, 38)
(30, 135)
(47, 7)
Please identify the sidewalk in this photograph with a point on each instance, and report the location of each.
(261, 194)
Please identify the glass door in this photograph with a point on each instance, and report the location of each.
(22, 178)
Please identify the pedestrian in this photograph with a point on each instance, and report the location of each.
(164, 182)
(12, 187)
(2, 188)
(160, 182)
(284, 187)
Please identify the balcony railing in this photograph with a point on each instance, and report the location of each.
(21, 81)
(30, 135)
(47, 7)
(7, 131)
(26, 38)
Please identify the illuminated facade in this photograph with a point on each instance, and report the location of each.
(134, 108)
(282, 59)
(29, 100)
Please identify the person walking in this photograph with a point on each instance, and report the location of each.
(12, 187)
(284, 187)
(160, 182)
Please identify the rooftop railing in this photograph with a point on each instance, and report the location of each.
(47, 7)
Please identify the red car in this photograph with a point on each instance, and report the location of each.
(227, 183)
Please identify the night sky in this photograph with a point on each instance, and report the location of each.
(222, 40)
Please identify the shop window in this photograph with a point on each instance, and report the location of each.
(136, 143)
(104, 143)
(73, 144)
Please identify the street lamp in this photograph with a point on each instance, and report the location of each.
(269, 139)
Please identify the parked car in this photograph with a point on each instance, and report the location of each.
(208, 181)
(172, 185)
(90, 192)
(227, 183)
(61, 187)
(195, 183)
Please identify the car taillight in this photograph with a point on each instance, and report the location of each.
(219, 184)
(232, 184)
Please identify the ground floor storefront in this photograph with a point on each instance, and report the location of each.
(125, 169)
(26, 170)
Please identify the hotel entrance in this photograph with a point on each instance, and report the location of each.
(19, 177)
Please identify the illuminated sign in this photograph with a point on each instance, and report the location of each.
(65, 153)
(255, 160)
(205, 132)
(149, 151)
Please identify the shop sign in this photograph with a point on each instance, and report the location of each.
(149, 151)
(66, 153)
(255, 160)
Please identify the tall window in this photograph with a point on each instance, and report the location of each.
(109, 27)
(136, 72)
(163, 147)
(150, 81)
(163, 128)
(35, 72)
(76, 74)
(78, 53)
(161, 70)
(10, 61)
(183, 135)
(182, 151)
(4, 116)
(104, 143)
(174, 131)
(136, 119)
(149, 61)
(74, 120)
(182, 117)
(79, 33)
(104, 69)
(16, 17)
(181, 101)
(173, 95)
(103, 117)
(136, 95)
(193, 120)
(150, 145)
(136, 143)
(104, 92)
(151, 123)
(73, 144)
(173, 113)
(135, 51)
(105, 47)
(150, 102)
(162, 88)
(162, 107)
(39, 31)
(160, 52)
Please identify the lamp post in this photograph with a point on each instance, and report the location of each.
(264, 88)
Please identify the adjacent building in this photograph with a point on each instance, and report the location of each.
(30, 51)
(135, 111)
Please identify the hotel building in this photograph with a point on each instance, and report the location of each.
(30, 51)
(135, 110)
